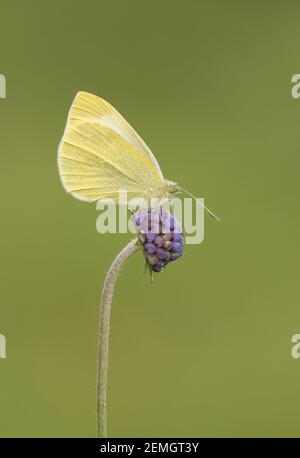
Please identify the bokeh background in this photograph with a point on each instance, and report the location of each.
(206, 349)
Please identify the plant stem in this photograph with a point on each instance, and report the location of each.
(103, 334)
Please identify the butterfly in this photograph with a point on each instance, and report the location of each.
(100, 155)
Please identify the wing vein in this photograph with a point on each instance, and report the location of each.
(100, 157)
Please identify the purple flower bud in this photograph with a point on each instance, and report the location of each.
(159, 241)
(150, 247)
(156, 268)
(167, 245)
(167, 236)
(176, 247)
(161, 254)
(150, 236)
(175, 256)
(168, 223)
(177, 237)
(161, 237)
(152, 259)
(167, 257)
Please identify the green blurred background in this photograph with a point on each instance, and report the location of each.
(205, 350)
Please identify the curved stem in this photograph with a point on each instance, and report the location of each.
(103, 334)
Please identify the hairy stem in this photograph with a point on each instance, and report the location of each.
(103, 334)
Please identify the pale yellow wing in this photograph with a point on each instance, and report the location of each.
(100, 154)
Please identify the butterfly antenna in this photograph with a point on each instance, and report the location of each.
(213, 215)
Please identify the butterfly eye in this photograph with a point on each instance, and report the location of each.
(173, 189)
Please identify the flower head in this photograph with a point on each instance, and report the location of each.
(161, 237)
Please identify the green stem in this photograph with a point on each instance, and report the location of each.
(103, 334)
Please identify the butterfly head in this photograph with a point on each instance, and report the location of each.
(172, 189)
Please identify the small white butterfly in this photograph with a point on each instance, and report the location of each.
(101, 154)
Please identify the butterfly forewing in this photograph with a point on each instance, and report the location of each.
(100, 154)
